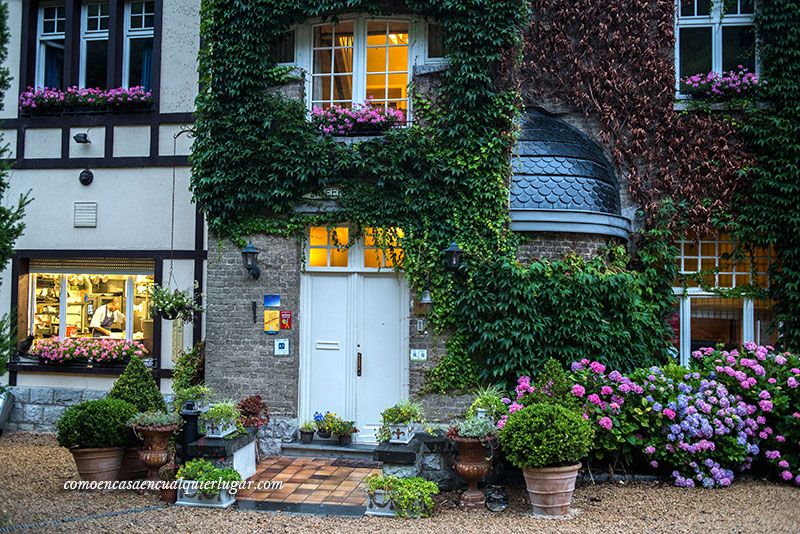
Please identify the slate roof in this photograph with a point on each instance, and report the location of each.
(556, 167)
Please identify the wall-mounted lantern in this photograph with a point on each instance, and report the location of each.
(452, 256)
(425, 296)
(250, 257)
(82, 138)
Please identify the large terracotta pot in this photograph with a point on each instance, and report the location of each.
(550, 489)
(132, 466)
(473, 465)
(154, 450)
(98, 464)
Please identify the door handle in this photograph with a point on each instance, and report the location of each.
(358, 365)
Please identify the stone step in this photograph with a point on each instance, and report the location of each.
(321, 449)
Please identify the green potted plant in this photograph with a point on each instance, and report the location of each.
(192, 398)
(202, 484)
(488, 403)
(344, 430)
(155, 428)
(547, 441)
(219, 420)
(307, 430)
(400, 420)
(472, 463)
(388, 495)
(172, 304)
(96, 434)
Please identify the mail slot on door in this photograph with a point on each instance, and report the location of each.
(327, 345)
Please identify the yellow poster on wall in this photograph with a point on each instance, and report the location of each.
(272, 321)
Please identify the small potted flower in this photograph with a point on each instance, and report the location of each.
(392, 496)
(255, 412)
(326, 423)
(202, 484)
(172, 304)
(472, 463)
(307, 430)
(344, 430)
(155, 428)
(219, 420)
(547, 441)
(400, 420)
(488, 403)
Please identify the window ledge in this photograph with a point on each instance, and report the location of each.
(78, 369)
(431, 68)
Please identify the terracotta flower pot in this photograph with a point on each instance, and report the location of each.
(132, 466)
(169, 495)
(154, 450)
(550, 488)
(306, 436)
(98, 464)
(472, 465)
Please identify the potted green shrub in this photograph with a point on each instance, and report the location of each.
(547, 441)
(96, 434)
(307, 430)
(137, 386)
(388, 495)
(202, 484)
(472, 463)
(219, 420)
(344, 430)
(192, 398)
(488, 403)
(172, 304)
(401, 419)
(155, 429)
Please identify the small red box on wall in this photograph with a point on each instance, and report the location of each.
(286, 319)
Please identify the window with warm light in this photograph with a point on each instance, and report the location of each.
(327, 247)
(383, 248)
(336, 248)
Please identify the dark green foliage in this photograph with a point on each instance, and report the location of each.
(96, 424)
(517, 316)
(546, 435)
(190, 369)
(771, 215)
(137, 386)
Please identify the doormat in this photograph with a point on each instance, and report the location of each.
(345, 462)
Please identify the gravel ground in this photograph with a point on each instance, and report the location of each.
(33, 469)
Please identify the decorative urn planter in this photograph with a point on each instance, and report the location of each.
(99, 464)
(472, 465)
(154, 450)
(402, 434)
(550, 489)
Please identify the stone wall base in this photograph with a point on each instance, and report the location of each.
(279, 430)
(37, 409)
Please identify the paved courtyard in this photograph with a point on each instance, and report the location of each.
(32, 499)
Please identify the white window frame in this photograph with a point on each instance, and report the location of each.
(304, 40)
(42, 37)
(86, 35)
(355, 256)
(716, 20)
(428, 59)
(129, 34)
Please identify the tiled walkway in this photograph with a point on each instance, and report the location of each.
(310, 485)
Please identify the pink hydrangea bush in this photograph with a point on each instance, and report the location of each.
(769, 381)
(90, 350)
(360, 119)
(44, 99)
(730, 85)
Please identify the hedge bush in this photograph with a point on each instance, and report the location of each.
(96, 424)
(137, 386)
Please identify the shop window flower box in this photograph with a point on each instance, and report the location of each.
(219, 420)
(362, 120)
(92, 351)
(74, 100)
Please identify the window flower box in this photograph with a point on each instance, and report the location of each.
(93, 351)
(715, 87)
(362, 120)
(219, 420)
(402, 433)
(189, 494)
(43, 101)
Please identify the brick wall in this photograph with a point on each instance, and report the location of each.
(240, 357)
(545, 245)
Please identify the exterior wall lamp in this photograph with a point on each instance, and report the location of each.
(82, 138)
(249, 258)
(452, 257)
(425, 296)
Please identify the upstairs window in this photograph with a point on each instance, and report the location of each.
(282, 49)
(94, 45)
(50, 48)
(714, 36)
(138, 53)
(360, 60)
(436, 46)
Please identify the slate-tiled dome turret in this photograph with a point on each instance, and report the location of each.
(563, 182)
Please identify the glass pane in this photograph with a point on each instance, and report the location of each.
(339, 257)
(738, 48)
(96, 305)
(323, 36)
(703, 7)
(343, 60)
(716, 320)
(142, 322)
(690, 248)
(436, 41)
(340, 236)
(687, 8)
(376, 60)
(149, 21)
(322, 62)
(398, 59)
(746, 7)
(393, 256)
(372, 258)
(282, 49)
(763, 323)
(321, 89)
(675, 324)
(318, 236)
(376, 86)
(96, 63)
(344, 33)
(376, 32)
(46, 302)
(369, 237)
(343, 88)
(53, 63)
(318, 257)
(695, 51)
(398, 33)
(397, 86)
(140, 63)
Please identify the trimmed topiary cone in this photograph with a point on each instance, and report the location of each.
(137, 386)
